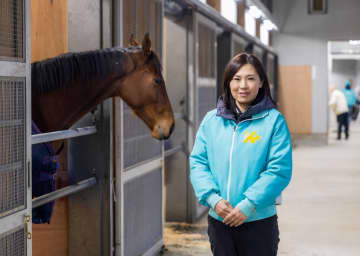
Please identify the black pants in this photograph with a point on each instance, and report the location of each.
(256, 238)
(343, 120)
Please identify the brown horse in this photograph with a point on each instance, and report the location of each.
(65, 88)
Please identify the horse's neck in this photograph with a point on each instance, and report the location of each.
(60, 109)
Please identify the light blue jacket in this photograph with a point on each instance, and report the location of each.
(350, 97)
(248, 163)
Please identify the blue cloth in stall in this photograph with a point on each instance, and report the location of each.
(44, 167)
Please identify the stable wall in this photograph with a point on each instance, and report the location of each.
(176, 166)
(299, 51)
(90, 211)
(342, 71)
(48, 28)
(356, 85)
(49, 39)
(303, 41)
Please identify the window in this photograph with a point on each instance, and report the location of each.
(204, 1)
(229, 10)
(250, 24)
(317, 6)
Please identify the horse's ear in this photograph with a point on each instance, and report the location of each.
(133, 41)
(146, 44)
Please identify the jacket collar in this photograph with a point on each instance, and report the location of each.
(252, 111)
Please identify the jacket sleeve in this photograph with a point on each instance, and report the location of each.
(203, 181)
(332, 101)
(277, 173)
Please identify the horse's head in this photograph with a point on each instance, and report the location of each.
(144, 90)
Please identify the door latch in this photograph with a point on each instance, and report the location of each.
(27, 221)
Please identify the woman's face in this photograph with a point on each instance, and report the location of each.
(245, 86)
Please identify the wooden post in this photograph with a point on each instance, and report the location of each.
(48, 29)
(258, 23)
(216, 4)
(241, 13)
(49, 38)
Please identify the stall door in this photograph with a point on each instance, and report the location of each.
(259, 53)
(176, 160)
(205, 80)
(238, 44)
(270, 70)
(141, 228)
(15, 150)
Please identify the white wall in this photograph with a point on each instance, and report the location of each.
(295, 50)
(357, 80)
(303, 41)
(340, 22)
(343, 70)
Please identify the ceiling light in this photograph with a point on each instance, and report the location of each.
(255, 12)
(269, 25)
(354, 42)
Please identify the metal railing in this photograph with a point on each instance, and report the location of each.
(61, 135)
(178, 116)
(174, 150)
(68, 190)
(81, 185)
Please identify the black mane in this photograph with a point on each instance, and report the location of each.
(61, 71)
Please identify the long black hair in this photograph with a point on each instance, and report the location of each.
(234, 65)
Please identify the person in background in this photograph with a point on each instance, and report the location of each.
(241, 162)
(350, 98)
(339, 105)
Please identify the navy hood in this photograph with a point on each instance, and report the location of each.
(226, 113)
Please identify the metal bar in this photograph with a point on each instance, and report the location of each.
(61, 135)
(8, 123)
(174, 150)
(135, 172)
(36, 202)
(140, 137)
(178, 116)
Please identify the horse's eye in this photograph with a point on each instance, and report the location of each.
(158, 81)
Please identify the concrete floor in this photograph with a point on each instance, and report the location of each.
(320, 215)
(321, 210)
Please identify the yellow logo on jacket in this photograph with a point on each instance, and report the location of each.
(251, 137)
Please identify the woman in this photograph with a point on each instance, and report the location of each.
(241, 161)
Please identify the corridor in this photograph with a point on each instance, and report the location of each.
(321, 206)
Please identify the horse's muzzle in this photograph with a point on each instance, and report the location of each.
(163, 132)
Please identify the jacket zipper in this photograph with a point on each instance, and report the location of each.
(231, 151)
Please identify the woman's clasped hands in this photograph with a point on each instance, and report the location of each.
(232, 217)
